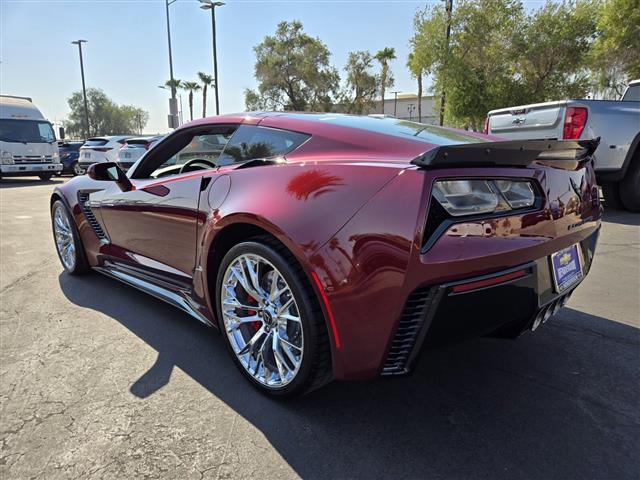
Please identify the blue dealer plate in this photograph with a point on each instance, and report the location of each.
(566, 268)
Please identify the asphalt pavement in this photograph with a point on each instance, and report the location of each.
(98, 380)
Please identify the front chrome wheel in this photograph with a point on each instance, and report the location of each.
(63, 233)
(262, 320)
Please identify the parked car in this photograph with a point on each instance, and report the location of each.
(133, 148)
(617, 123)
(69, 153)
(333, 246)
(27, 142)
(101, 149)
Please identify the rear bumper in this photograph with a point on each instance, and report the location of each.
(508, 303)
(29, 169)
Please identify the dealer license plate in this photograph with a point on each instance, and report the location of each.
(566, 267)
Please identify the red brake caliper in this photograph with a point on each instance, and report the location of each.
(256, 324)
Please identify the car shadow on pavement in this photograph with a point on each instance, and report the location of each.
(28, 182)
(560, 403)
(620, 217)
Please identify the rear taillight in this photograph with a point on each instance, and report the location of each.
(575, 118)
(485, 129)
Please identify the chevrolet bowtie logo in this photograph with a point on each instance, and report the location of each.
(565, 259)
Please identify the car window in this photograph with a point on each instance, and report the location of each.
(95, 142)
(632, 94)
(202, 152)
(251, 142)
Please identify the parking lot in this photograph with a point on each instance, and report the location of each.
(99, 380)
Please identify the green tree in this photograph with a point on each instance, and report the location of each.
(105, 116)
(616, 49)
(293, 72)
(361, 84)
(415, 68)
(191, 87)
(551, 50)
(499, 56)
(207, 81)
(384, 56)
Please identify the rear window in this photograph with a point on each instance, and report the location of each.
(396, 127)
(95, 142)
(250, 142)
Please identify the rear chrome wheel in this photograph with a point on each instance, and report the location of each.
(262, 320)
(271, 319)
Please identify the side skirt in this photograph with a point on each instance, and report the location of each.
(164, 294)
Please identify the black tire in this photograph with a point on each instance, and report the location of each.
(630, 186)
(81, 265)
(611, 193)
(45, 176)
(315, 368)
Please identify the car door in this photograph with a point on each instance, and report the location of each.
(153, 227)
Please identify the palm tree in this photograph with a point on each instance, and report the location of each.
(191, 87)
(384, 56)
(207, 81)
(415, 67)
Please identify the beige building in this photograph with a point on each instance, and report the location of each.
(405, 107)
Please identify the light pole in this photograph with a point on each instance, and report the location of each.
(395, 101)
(443, 96)
(211, 5)
(173, 104)
(84, 88)
(180, 110)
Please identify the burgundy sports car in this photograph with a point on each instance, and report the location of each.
(330, 246)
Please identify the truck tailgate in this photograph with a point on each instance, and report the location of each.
(543, 120)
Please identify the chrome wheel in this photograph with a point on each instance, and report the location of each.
(64, 237)
(262, 320)
(77, 169)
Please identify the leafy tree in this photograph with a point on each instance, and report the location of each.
(551, 48)
(384, 56)
(415, 68)
(362, 85)
(207, 81)
(498, 55)
(616, 49)
(105, 116)
(293, 72)
(190, 87)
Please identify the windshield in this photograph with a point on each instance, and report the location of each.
(26, 131)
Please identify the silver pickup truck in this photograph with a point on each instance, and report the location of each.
(617, 123)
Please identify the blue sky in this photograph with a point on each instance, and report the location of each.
(126, 54)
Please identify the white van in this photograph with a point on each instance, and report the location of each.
(27, 142)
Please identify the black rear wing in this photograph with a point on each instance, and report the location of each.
(511, 153)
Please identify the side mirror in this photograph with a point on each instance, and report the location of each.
(61, 132)
(110, 172)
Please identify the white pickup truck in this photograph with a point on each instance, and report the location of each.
(617, 123)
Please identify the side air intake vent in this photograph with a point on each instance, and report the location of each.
(83, 200)
(413, 317)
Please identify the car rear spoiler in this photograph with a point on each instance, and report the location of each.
(512, 153)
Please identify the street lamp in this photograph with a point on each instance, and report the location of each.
(173, 104)
(211, 5)
(84, 89)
